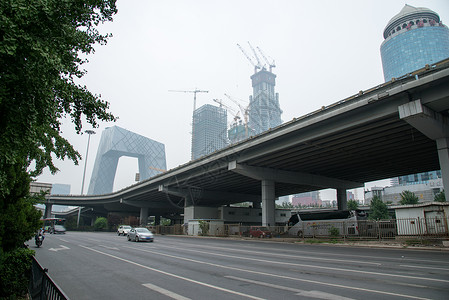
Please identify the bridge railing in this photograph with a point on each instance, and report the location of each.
(41, 286)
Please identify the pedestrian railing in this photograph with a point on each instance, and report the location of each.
(427, 228)
(41, 285)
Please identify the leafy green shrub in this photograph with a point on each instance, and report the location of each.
(408, 197)
(15, 267)
(101, 224)
(440, 197)
(334, 232)
(204, 226)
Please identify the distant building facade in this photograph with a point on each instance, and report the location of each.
(307, 199)
(116, 142)
(413, 38)
(209, 130)
(264, 109)
(60, 189)
(425, 191)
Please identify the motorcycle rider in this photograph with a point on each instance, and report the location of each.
(40, 233)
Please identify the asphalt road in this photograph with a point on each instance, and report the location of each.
(107, 266)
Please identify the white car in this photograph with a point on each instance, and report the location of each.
(123, 230)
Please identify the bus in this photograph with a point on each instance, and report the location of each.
(54, 225)
(311, 224)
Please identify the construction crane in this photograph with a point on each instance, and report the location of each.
(194, 95)
(255, 55)
(244, 112)
(256, 66)
(272, 65)
(228, 108)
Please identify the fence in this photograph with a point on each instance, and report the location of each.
(424, 228)
(41, 285)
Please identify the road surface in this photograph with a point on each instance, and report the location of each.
(107, 266)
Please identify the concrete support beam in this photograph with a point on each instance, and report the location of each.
(435, 126)
(443, 155)
(143, 216)
(320, 182)
(219, 196)
(268, 201)
(342, 199)
(48, 208)
(432, 124)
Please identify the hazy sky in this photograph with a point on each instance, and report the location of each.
(325, 51)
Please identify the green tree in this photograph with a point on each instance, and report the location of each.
(408, 197)
(352, 205)
(440, 197)
(43, 44)
(101, 223)
(378, 209)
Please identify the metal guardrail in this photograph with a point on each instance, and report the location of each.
(422, 228)
(41, 286)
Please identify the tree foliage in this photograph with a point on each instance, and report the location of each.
(378, 209)
(101, 223)
(352, 205)
(42, 48)
(440, 197)
(408, 197)
(43, 44)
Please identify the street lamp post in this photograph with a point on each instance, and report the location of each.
(89, 132)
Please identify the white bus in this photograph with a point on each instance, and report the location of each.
(310, 224)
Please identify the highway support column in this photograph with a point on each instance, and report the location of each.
(342, 199)
(268, 203)
(143, 216)
(48, 208)
(436, 127)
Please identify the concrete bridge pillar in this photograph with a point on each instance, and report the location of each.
(443, 155)
(48, 208)
(342, 199)
(143, 216)
(268, 203)
(157, 220)
(436, 127)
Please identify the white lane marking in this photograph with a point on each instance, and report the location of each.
(318, 267)
(173, 275)
(57, 249)
(304, 293)
(348, 255)
(420, 267)
(107, 247)
(165, 292)
(64, 240)
(293, 256)
(280, 276)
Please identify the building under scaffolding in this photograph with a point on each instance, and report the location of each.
(264, 109)
(209, 130)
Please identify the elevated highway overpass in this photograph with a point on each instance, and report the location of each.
(397, 128)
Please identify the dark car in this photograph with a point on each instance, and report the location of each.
(260, 232)
(140, 234)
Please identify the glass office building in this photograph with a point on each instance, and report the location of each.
(413, 38)
(209, 130)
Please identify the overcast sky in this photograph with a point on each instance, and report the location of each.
(325, 51)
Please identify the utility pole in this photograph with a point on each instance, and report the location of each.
(89, 132)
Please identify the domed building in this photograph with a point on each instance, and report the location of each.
(413, 38)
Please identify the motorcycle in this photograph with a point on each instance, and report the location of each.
(38, 240)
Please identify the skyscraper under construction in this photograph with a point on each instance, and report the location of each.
(208, 130)
(264, 109)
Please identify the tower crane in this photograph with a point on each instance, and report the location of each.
(194, 95)
(244, 112)
(272, 65)
(256, 66)
(230, 109)
(255, 55)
